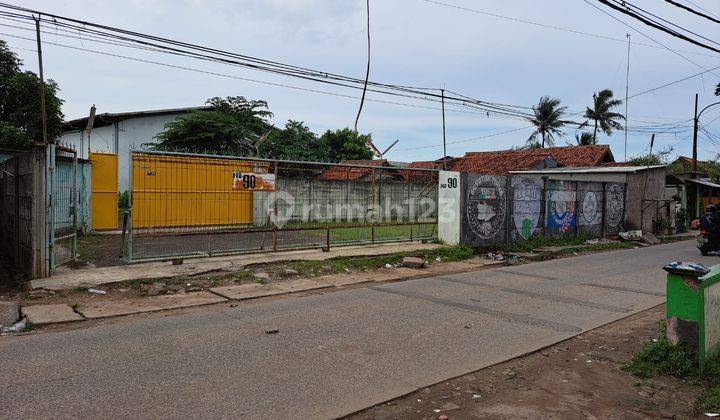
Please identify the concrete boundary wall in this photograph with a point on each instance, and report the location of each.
(503, 209)
(22, 213)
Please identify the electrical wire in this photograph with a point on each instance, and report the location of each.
(367, 70)
(691, 10)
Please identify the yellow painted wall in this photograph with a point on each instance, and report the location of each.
(175, 191)
(104, 190)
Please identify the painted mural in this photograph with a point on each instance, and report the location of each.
(615, 199)
(527, 202)
(590, 210)
(485, 206)
(561, 214)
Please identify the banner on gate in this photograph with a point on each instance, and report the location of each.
(250, 181)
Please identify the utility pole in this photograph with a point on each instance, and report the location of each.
(43, 115)
(695, 133)
(444, 161)
(627, 87)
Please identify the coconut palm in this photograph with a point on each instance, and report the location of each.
(548, 121)
(584, 138)
(601, 114)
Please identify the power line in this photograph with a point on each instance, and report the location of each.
(238, 77)
(237, 59)
(623, 8)
(367, 70)
(469, 140)
(546, 26)
(691, 10)
(704, 10)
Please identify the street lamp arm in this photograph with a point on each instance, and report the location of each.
(706, 108)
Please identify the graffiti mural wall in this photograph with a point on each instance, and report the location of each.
(526, 208)
(614, 208)
(560, 208)
(495, 209)
(590, 208)
(485, 209)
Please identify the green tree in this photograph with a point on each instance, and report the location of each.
(346, 144)
(584, 139)
(233, 126)
(20, 115)
(602, 115)
(548, 121)
(658, 158)
(294, 142)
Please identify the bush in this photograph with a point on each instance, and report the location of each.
(659, 357)
(124, 200)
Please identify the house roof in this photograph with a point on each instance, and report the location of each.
(348, 173)
(108, 118)
(590, 170)
(503, 161)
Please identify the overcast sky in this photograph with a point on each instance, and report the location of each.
(414, 42)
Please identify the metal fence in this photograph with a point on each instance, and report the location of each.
(185, 205)
(62, 176)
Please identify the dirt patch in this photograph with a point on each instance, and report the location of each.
(578, 378)
(99, 250)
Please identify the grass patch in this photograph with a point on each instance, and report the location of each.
(242, 276)
(538, 241)
(339, 264)
(709, 400)
(661, 358)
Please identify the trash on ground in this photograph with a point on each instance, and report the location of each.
(18, 326)
(272, 331)
(413, 262)
(631, 235)
(97, 291)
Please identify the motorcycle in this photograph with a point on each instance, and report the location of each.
(705, 244)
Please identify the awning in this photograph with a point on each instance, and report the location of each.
(704, 181)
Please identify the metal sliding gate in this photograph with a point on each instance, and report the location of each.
(185, 205)
(61, 205)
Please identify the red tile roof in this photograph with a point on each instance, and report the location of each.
(347, 173)
(421, 176)
(503, 161)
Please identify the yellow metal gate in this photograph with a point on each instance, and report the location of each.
(183, 191)
(104, 190)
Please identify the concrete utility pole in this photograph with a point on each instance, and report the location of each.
(43, 115)
(695, 130)
(627, 87)
(442, 94)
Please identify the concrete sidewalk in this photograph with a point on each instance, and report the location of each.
(67, 278)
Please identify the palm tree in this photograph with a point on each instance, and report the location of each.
(584, 139)
(548, 121)
(602, 115)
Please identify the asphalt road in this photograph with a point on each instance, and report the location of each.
(335, 352)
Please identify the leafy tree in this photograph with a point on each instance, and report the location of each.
(294, 142)
(584, 139)
(548, 121)
(659, 158)
(234, 126)
(602, 115)
(346, 144)
(20, 114)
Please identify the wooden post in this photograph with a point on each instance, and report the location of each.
(18, 252)
(602, 213)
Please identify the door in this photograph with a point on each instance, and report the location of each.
(104, 190)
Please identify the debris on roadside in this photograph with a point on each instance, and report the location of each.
(154, 289)
(9, 312)
(97, 291)
(631, 235)
(289, 272)
(272, 331)
(650, 239)
(413, 262)
(496, 256)
(17, 327)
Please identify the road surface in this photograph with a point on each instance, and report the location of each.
(335, 353)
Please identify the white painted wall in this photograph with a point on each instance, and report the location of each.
(119, 138)
(449, 207)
